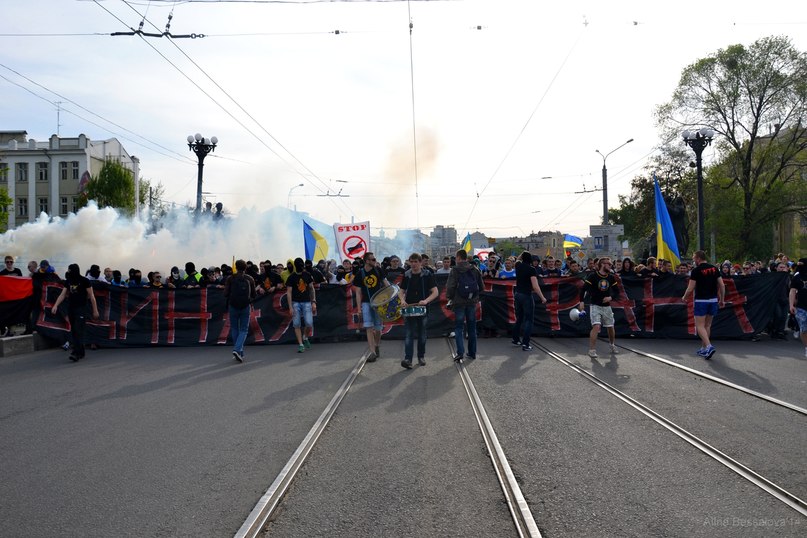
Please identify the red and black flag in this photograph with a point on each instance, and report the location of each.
(15, 300)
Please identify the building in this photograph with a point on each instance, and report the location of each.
(46, 177)
(443, 241)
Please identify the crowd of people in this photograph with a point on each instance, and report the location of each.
(300, 278)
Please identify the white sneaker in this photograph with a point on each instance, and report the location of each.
(614, 349)
(592, 353)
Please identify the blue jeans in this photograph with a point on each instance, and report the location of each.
(461, 314)
(415, 327)
(239, 327)
(525, 312)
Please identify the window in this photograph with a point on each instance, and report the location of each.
(64, 206)
(22, 204)
(63, 170)
(43, 205)
(42, 171)
(598, 243)
(21, 171)
(75, 204)
(73, 169)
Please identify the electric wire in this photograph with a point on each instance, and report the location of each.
(171, 155)
(524, 128)
(237, 104)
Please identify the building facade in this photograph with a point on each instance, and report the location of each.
(47, 177)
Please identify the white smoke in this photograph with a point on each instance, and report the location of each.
(109, 239)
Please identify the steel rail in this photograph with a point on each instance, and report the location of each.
(760, 481)
(516, 503)
(716, 379)
(270, 500)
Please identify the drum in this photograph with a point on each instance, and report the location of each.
(414, 311)
(387, 303)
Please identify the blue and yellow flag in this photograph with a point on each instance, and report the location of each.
(316, 247)
(571, 241)
(466, 244)
(665, 236)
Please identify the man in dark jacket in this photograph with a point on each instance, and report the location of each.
(462, 291)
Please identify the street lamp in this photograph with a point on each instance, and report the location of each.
(201, 147)
(698, 140)
(288, 202)
(605, 182)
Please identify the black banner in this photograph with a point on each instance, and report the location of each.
(645, 307)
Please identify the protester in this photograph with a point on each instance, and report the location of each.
(9, 269)
(239, 289)
(368, 281)
(77, 290)
(600, 286)
(798, 299)
(707, 284)
(418, 288)
(463, 293)
(526, 285)
(302, 301)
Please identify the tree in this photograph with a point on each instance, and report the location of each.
(153, 196)
(755, 99)
(6, 205)
(113, 187)
(637, 213)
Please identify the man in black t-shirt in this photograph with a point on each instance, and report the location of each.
(798, 299)
(526, 285)
(77, 290)
(600, 286)
(418, 288)
(302, 300)
(367, 280)
(9, 269)
(706, 282)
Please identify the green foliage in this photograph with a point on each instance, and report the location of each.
(638, 212)
(152, 196)
(755, 98)
(113, 187)
(6, 205)
(507, 247)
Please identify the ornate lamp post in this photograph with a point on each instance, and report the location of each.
(201, 147)
(605, 182)
(698, 140)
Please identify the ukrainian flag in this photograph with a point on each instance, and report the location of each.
(466, 244)
(316, 247)
(665, 236)
(571, 241)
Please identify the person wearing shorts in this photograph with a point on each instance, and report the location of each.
(302, 299)
(368, 280)
(798, 300)
(600, 286)
(707, 284)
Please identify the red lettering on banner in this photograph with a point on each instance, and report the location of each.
(64, 324)
(203, 315)
(509, 287)
(254, 327)
(650, 302)
(625, 303)
(102, 301)
(285, 312)
(153, 300)
(737, 303)
(553, 304)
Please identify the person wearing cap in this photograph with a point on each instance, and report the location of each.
(798, 299)
(77, 290)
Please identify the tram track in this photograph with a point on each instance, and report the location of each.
(760, 481)
(718, 380)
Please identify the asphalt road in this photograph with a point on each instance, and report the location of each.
(183, 442)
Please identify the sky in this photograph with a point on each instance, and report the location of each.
(485, 117)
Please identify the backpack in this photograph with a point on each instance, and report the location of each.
(239, 292)
(467, 285)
